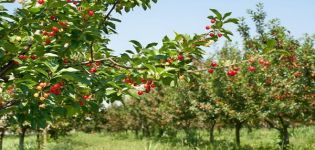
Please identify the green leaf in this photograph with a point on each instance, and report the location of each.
(218, 15)
(227, 15)
(110, 91)
(151, 45)
(233, 20)
(70, 69)
(51, 55)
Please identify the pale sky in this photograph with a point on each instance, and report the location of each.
(189, 16)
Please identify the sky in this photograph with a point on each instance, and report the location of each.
(190, 16)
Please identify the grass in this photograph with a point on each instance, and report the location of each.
(302, 138)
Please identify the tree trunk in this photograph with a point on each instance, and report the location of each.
(211, 131)
(238, 126)
(21, 138)
(284, 134)
(2, 130)
(40, 139)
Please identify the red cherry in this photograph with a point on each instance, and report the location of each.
(57, 86)
(98, 63)
(55, 29)
(153, 86)
(75, 3)
(231, 73)
(261, 61)
(210, 71)
(140, 93)
(149, 82)
(55, 91)
(69, 1)
(93, 70)
(40, 1)
(148, 90)
(143, 80)
(52, 17)
(81, 103)
(91, 13)
(65, 61)
(212, 34)
(214, 64)
(208, 27)
(22, 57)
(33, 57)
(251, 68)
(47, 41)
(213, 20)
(44, 32)
(86, 97)
(63, 24)
(219, 35)
(51, 34)
(180, 57)
(147, 86)
(88, 64)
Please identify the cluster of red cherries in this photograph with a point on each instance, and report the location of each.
(231, 72)
(234, 70)
(212, 32)
(56, 88)
(93, 66)
(148, 85)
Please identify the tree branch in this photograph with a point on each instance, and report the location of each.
(111, 10)
(10, 64)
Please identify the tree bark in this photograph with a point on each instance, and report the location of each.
(39, 139)
(238, 126)
(2, 130)
(21, 138)
(284, 139)
(211, 131)
(284, 134)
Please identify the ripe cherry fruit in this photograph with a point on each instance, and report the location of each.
(208, 27)
(140, 93)
(212, 34)
(53, 18)
(251, 68)
(214, 64)
(55, 29)
(22, 57)
(231, 73)
(180, 57)
(93, 70)
(213, 20)
(210, 71)
(86, 97)
(91, 13)
(219, 35)
(41, 1)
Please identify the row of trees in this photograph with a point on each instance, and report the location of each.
(269, 83)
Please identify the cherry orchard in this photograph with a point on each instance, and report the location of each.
(55, 60)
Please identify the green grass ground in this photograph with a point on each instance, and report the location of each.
(263, 139)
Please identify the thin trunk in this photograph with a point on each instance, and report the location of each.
(2, 130)
(284, 139)
(211, 131)
(284, 135)
(21, 138)
(38, 140)
(238, 127)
